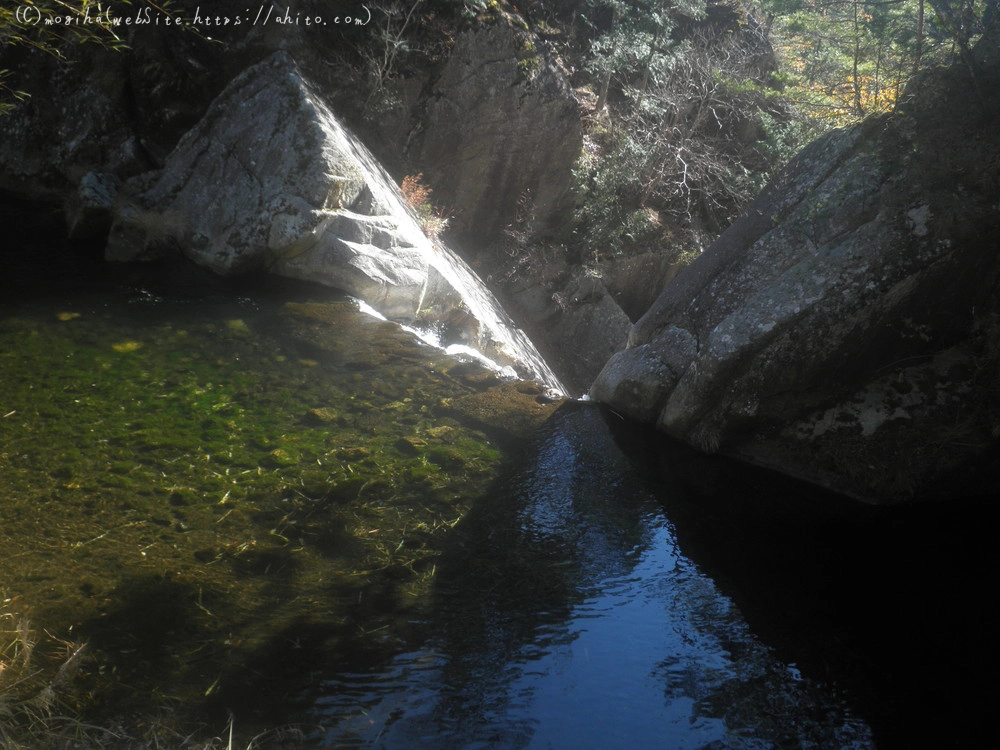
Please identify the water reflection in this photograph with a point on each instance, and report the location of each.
(253, 470)
(566, 615)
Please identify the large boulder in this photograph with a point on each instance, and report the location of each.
(846, 329)
(270, 180)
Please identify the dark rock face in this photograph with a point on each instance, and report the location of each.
(496, 81)
(580, 324)
(583, 316)
(496, 131)
(108, 113)
(846, 329)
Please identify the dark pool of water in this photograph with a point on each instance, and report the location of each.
(591, 587)
(598, 598)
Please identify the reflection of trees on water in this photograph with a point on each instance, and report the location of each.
(565, 613)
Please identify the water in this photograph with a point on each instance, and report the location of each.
(256, 499)
(597, 597)
(572, 618)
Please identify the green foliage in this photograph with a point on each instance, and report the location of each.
(845, 59)
(634, 47)
(688, 140)
(782, 139)
(608, 220)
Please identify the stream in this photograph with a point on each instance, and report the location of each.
(252, 499)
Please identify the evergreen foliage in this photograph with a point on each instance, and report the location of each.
(686, 128)
(844, 59)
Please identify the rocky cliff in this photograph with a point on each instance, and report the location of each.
(493, 126)
(846, 329)
(231, 154)
(271, 180)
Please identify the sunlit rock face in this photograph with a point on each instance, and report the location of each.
(270, 180)
(846, 329)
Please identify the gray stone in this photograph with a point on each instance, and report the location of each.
(578, 322)
(845, 329)
(271, 180)
(496, 131)
(89, 209)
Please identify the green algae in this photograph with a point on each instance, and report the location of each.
(220, 496)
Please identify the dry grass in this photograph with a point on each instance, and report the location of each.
(35, 694)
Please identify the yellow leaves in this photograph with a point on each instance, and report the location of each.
(123, 347)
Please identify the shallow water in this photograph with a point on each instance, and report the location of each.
(253, 498)
(198, 480)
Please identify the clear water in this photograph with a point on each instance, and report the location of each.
(256, 500)
(572, 618)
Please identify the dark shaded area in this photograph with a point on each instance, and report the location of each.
(572, 541)
(40, 226)
(894, 605)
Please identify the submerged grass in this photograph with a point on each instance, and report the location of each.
(203, 506)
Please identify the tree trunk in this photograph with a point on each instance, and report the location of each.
(602, 96)
(857, 54)
(919, 41)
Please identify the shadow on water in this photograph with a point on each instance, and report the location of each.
(892, 605)
(616, 588)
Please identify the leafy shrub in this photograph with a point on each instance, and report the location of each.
(418, 197)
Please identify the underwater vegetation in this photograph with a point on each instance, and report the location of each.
(203, 501)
